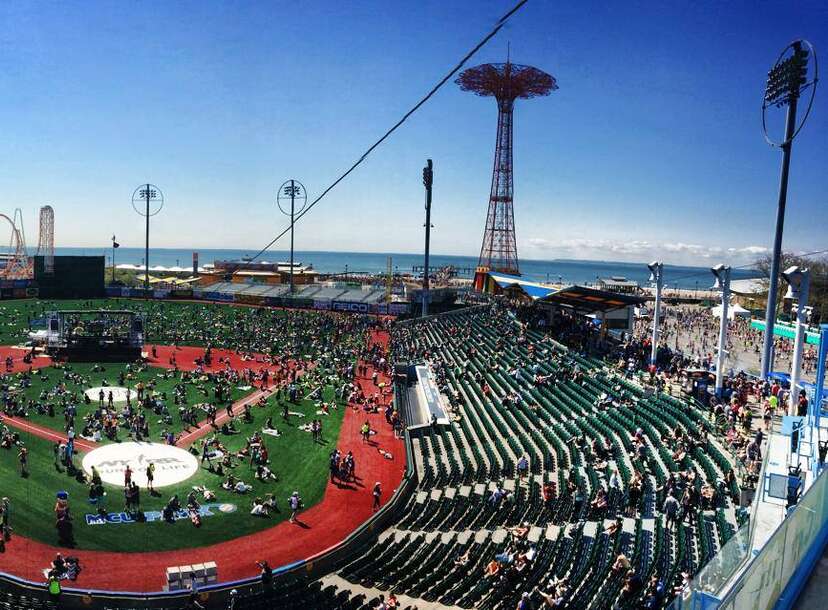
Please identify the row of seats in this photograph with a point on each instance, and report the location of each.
(484, 360)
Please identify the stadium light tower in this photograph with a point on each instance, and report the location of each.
(786, 81)
(115, 246)
(147, 200)
(722, 275)
(428, 181)
(291, 190)
(506, 83)
(657, 277)
(799, 281)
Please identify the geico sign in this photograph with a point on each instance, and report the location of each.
(357, 307)
(171, 464)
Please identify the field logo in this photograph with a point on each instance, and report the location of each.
(151, 516)
(172, 465)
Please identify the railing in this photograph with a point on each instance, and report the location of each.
(774, 577)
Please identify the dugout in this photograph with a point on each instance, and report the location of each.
(74, 277)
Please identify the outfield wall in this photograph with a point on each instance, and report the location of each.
(393, 309)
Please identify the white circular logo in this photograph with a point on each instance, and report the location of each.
(172, 465)
(119, 394)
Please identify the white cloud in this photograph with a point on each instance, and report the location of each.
(638, 250)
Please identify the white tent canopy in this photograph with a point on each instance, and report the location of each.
(734, 310)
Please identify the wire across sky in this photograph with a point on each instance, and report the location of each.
(497, 27)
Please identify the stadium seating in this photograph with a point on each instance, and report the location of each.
(482, 360)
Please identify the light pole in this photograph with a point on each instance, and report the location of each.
(291, 190)
(799, 281)
(428, 180)
(656, 276)
(722, 275)
(786, 81)
(147, 200)
(115, 245)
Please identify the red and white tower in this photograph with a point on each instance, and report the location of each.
(506, 83)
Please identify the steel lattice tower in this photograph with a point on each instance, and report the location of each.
(46, 239)
(506, 83)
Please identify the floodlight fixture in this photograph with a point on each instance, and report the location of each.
(795, 277)
(655, 269)
(720, 272)
(787, 81)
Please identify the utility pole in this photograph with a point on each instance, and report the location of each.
(115, 244)
(293, 190)
(799, 281)
(722, 274)
(428, 180)
(141, 198)
(657, 276)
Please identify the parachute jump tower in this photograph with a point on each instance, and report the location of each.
(506, 83)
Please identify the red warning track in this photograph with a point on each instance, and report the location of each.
(322, 526)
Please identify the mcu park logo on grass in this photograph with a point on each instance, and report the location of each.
(150, 516)
(172, 465)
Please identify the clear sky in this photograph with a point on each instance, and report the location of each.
(652, 147)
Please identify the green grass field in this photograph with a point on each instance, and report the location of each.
(73, 379)
(300, 463)
(295, 333)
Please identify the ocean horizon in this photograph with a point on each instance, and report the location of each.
(574, 271)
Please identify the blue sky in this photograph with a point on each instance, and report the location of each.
(652, 147)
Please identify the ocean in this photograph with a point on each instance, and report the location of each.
(567, 271)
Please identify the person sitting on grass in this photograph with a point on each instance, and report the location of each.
(170, 509)
(263, 473)
(235, 485)
(259, 509)
(192, 500)
(195, 516)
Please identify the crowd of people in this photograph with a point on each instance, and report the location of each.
(679, 500)
(292, 355)
(690, 334)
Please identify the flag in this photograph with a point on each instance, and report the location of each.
(115, 244)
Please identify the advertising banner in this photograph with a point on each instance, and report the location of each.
(352, 307)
